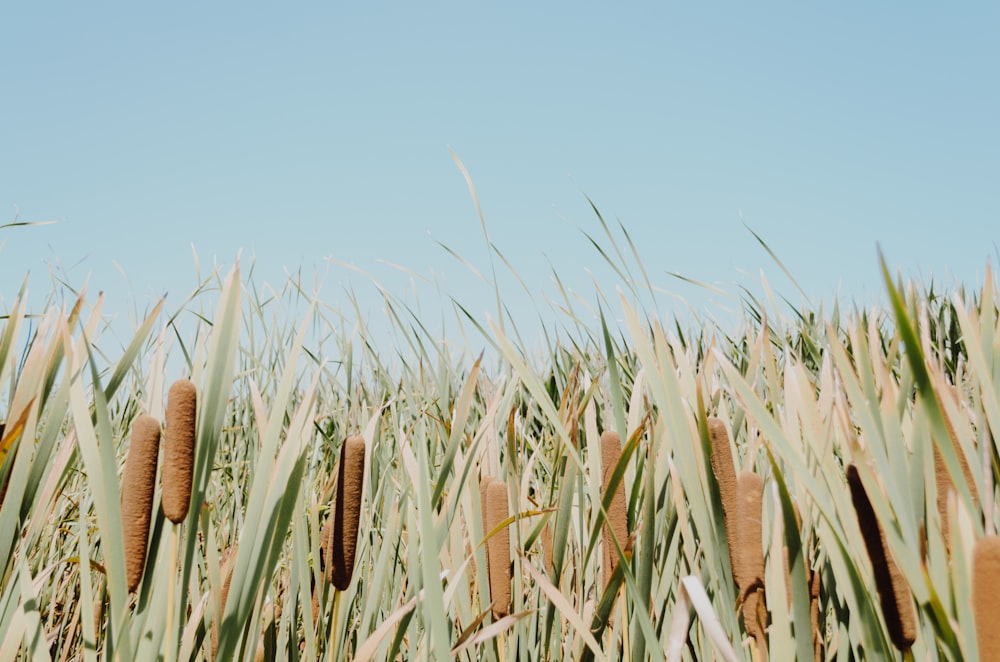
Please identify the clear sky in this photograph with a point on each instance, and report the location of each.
(299, 133)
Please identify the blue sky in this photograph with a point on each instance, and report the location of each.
(308, 132)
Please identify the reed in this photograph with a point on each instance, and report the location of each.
(725, 476)
(227, 567)
(346, 513)
(615, 529)
(985, 589)
(893, 591)
(178, 450)
(749, 566)
(817, 632)
(498, 547)
(138, 486)
(945, 485)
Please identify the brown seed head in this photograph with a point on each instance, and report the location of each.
(893, 591)
(616, 525)
(944, 484)
(547, 547)
(347, 512)
(817, 631)
(139, 483)
(227, 566)
(178, 450)
(749, 564)
(325, 554)
(483, 485)
(725, 476)
(498, 547)
(985, 589)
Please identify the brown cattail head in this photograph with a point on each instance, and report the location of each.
(944, 484)
(725, 476)
(748, 565)
(347, 512)
(893, 591)
(498, 547)
(139, 483)
(178, 450)
(985, 589)
(325, 554)
(228, 565)
(817, 631)
(616, 525)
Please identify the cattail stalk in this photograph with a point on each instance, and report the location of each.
(178, 450)
(893, 591)
(498, 547)
(139, 483)
(615, 529)
(346, 513)
(749, 563)
(725, 476)
(985, 589)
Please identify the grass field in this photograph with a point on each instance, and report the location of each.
(808, 485)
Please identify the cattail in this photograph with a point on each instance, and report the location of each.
(178, 450)
(98, 614)
(616, 525)
(817, 633)
(985, 589)
(944, 484)
(139, 483)
(749, 564)
(346, 513)
(325, 539)
(725, 476)
(498, 547)
(547, 547)
(315, 603)
(893, 591)
(228, 565)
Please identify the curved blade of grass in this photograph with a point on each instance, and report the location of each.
(692, 586)
(565, 608)
(128, 358)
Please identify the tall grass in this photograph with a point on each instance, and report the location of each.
(579, 504)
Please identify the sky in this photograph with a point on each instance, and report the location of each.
(305, 137)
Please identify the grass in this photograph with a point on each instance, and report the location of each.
(496, 520)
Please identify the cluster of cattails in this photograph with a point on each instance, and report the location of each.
(493, 498)
(742, 500)
(139, 480)
(339, 536)
(893, 591)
